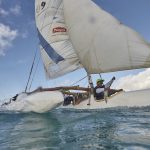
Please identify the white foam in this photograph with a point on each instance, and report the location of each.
(38, 102)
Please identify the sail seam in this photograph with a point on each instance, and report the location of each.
(79, 61)
(95, 51)
(128, 46)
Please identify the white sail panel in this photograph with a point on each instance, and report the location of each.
(57, 51)
(102, 43)
(54, 70)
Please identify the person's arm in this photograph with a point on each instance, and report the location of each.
(107, 85)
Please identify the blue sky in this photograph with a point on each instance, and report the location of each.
(18, 42)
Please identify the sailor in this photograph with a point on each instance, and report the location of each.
(12, 99)
(101, 88)
(68, 99)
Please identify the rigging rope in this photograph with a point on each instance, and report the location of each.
(34, 73)
(78, 81)
(100, 76)
(31, 70)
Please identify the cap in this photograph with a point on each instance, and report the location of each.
(99, 80)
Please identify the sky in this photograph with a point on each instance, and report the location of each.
(19, 41)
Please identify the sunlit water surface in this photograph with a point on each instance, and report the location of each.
(116, 129)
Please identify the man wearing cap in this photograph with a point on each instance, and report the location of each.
(100, 88)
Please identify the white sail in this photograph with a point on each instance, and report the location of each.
(57, 51)
(102, 43)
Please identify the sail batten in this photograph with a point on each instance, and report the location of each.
(102, 43)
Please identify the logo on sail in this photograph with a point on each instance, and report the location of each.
(59, 29)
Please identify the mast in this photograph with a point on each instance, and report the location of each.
(31, 71)
(91, 87)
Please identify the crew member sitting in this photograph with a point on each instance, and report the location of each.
(100, 88)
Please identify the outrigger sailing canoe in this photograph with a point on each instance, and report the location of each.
(78, 34)
(44, 101)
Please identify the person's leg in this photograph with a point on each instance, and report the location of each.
(113, 91)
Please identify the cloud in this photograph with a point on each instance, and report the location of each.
(3, 12)
(21, 61)
(24, 34)
(16, 10)
(135, 82)
(66, 82)
(7, 35)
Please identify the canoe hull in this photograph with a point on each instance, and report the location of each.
(130, 99)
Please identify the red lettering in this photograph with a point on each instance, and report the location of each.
(59, 29)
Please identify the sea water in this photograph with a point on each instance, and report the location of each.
(110, 129)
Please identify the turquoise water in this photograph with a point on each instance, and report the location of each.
(116, 129)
